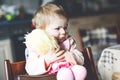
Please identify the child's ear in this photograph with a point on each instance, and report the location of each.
(32, 25)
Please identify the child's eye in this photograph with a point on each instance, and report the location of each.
(57, 28)
(65, 28)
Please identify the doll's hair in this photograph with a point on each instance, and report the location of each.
(44, 15)
(40, 41)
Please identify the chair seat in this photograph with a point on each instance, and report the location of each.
(37, 77)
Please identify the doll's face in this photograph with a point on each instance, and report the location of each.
(58, 29)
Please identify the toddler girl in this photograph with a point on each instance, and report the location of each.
(66, 60)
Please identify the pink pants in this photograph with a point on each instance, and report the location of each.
(77, 72)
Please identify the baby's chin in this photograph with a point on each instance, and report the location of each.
(63, 38)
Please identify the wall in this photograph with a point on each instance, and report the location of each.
(92, 22)
(29, 5)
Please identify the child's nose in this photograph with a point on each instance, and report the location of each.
(63, 31)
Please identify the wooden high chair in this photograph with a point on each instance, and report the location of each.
(16, 70)
(92, 73)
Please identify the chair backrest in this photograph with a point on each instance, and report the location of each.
(92, 73)
(14, 69)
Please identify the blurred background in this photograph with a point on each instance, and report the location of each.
(93, 23)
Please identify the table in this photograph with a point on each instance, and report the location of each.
(109, 62)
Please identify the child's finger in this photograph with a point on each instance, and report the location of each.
(61, 52)
(61, 58)
(57, 49)
(72, 41)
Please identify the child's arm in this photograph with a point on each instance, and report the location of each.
(50, 58)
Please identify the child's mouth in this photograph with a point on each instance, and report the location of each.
(62, 39)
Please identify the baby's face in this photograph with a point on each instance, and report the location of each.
(58, 29)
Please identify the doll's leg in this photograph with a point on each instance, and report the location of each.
(79, 72)
(65, 74)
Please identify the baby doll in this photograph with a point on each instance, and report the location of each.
(40, 42)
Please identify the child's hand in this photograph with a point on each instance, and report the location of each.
(69, 58)
(51, 57)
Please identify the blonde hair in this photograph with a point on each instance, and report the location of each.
(44, 14)
(40, 41)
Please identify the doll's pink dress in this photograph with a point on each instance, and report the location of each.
(66, 70)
